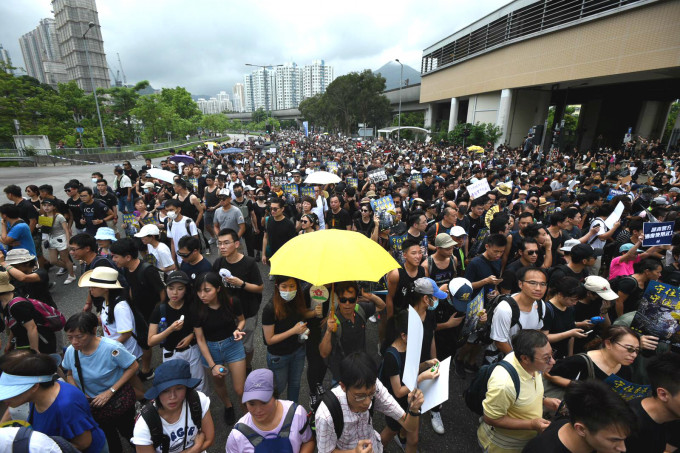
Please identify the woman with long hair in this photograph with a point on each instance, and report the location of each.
(103, 370)
(558, 320)
(285, 332)
(170, 326)
(59, 234)
(218, 326)
(367, 223)
(630, 288)
(612, 354)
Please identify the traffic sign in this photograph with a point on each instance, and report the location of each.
(79, 130)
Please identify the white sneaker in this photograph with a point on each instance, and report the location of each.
(373, 319)
(437, 423)
(61, 271)
(211, 241)
(70, 279)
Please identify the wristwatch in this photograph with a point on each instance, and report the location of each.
(243, 286)
(112, 390)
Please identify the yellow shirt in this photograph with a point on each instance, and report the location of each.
(500, 401)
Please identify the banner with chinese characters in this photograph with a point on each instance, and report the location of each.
(377, 175)
(657, 233)
(384, 207)
(417, 177)
(627, 390)
(659, 313)
(353, 182)
(332, 167)
(307, 191)
(290, 189)
(474, 309)
(279, 180)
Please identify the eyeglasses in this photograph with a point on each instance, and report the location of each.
(184, 255)
(361, 398)
(73, 249)
(344, 300)
(547, 358)
(629, 349)
(533, 283)
(275, 209)
(220, 243)
(532, 252)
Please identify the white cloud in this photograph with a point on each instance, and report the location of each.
(203, 45)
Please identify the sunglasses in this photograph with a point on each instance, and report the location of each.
(184, 255)
(532, 252)
(344, 300)
(304, 221)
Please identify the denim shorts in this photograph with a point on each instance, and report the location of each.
(225, 351)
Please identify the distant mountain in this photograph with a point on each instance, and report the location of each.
(391, 72)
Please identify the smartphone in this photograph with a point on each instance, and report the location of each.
(589, 332)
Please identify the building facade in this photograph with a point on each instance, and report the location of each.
(41, 53)
(71, 20)
(288, 86)
(315, 78)
(5, 59)
(238, 98)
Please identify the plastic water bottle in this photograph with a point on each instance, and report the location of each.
(162, 325)
(304, 335)
(597, 319)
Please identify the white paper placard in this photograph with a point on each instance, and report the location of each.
(413, 349)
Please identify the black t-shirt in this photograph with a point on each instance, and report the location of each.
(290, 344)
(563, 270)
(480, 268)
(216, 324)
(548, 440)
(576, 365)
(626, 285)
(558, 321)
(22, 311)
(27, 211)
(35, 290)
(194, 270)
(145, 286)
(278, 233)
(353, 337)
(429, 326)
(246, 269)
(74, 209)
(650, 437)
(108, 198)
(510, 281)
(172, 315)
(339, 221)
(364, 228)
(426, 192)
(392, 368)
(95, 211)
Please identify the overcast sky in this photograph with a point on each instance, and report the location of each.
(203, 45)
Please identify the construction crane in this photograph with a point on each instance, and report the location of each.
(121, 70)
(115, 76)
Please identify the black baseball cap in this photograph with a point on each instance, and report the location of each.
(582, 252)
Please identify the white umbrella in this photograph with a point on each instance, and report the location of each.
(163, 175)
(322, 177)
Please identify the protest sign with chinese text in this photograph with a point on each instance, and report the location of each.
(474, 309)
(352, 182)
(657, 233)
(658, 313)
(307, 191)
(278, 180)
(377, 175)
(384, 207)
(627, 390)
(479, 188)
(291, 189)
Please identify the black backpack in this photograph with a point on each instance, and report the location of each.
(153, 420)
(484, 333)
(475, 394)
(22, 441)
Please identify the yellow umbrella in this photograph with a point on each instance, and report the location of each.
(211, 143)
(329, 256)
(476, 148)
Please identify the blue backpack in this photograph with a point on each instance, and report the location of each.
(22, 441)
(278, 444)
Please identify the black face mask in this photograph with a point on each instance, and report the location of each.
(238, 193)
(261, 197)
(462, 210)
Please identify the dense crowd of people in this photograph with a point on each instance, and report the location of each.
(526, 269)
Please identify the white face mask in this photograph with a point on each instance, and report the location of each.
(94, 180)
(172, 215)
(288, 295)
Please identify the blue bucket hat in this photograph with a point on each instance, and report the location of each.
(105, 234)
(170, 373)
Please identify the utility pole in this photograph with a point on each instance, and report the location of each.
(94, 88)
(401, 84)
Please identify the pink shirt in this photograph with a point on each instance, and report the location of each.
(617, 268)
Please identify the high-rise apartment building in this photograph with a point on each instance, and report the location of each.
(42, 56)
(316, 78)
(260, 90)
(288, 86)
(216, 104)
(239, 96)
(71, 19)
(5, 59)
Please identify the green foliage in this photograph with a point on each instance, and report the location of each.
(480, 134)
(670, 123)
(262, 125)
(218, 123)
(350, 99)
(260, 115)
(289, 124)
(416, 119)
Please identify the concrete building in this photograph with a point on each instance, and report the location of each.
(216, 104)
(5, 59)
(260, 90)
(72, 18)
(288, 86)
(619, 61)
(41, 53)
(315, 78)
(239, 96)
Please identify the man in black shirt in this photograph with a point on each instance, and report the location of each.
(245, 282)
(279, 230)
(27, 212)
(105, 195)
(582, 256)
(130, 172)
(599, 421)
(337, 218)
(528, 254)
(73, 203)
(146, 288)
(658, 414)
(94, 213)
(473, 222)
(426, 189)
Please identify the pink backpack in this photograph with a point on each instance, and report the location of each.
(52, 318)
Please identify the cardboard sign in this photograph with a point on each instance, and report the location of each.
(479, 188)
(474, 309)
(659, 313)
(627, 390)
(615, 193)
(657, 233)
(377, 175)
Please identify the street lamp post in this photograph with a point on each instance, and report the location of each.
(268, 103)
(401, 84)
(94, 89)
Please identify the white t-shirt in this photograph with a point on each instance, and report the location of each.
(598, 243)
(39, 443)
(124, 322)
(502, 318)
(178, 230)
(163, 254)
(176, 431)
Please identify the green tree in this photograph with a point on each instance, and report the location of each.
(670, 122)
(480, 134)
(179, 99)
(121, 102)
(259, 115)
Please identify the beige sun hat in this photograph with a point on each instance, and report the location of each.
(100, 277)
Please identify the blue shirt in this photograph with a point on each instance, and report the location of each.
(101, 369)
(69, 416)
(21, 233)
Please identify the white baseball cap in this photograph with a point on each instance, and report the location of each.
(148, 230)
